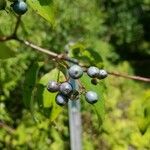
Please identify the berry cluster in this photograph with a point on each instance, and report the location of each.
(65, 89)
(19, 7)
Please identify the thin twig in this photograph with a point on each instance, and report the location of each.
(17, 25)
(139, 78)
(48, 52)
(64, 57)
(43, 50)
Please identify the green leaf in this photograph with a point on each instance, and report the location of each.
(88, 56)
(45, 8)
(46, 99)
(99, 89)
(5, 51)
(29, 83)
(2, 4)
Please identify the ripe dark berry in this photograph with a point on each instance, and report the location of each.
(61, 99)
(102, 74)
(93, 72)
(19, 7)
(65, 88)
(94, 81)
(75, 72)
(53, 86)
(91, 97)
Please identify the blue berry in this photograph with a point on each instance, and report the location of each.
(91, 97)
(94, 81)
(61, 99)
(75, 72)
(53, 86)
(65, 88)
(19, 7)
(102, 74)
(93, 72)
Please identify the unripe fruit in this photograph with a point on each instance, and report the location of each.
(61, 99)
(91, 97)
(65, 88)
(102, 74)
(19, 7)
(75, 72)
(93, 72)
(53, 86)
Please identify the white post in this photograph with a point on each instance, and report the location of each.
(75, 121)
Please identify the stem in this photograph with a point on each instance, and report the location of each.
(17, 26)
(64, 57)
(43, 50)
(48, 52)
(130, 76)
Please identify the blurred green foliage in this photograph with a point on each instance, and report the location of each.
(114, 34)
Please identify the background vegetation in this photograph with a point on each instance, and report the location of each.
(114, 34)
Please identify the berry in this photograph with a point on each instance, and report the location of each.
(61, 99)
(65, 88)
(19, 7)
(75, 72)
(91, 97)
(52, 86)
(93, 72)
(2, 4)
(94, 81)
(102, 74)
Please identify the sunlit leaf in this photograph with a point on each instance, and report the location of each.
(86, 55)
(45, 8)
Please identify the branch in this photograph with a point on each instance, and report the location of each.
(48, 52)
(130, 77)
(64, 57)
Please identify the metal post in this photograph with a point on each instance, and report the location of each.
(75, 121)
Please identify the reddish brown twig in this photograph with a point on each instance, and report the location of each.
(139, 78)
(54, 55)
